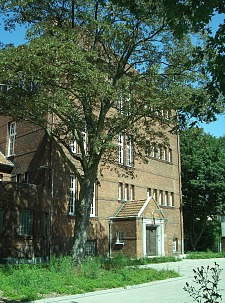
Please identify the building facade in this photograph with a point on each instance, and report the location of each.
(137, 214)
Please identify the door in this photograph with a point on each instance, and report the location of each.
(151, 247)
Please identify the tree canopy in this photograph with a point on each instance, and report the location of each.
(203, 186)
(103, 68)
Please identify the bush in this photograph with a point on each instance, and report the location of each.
(204, 255)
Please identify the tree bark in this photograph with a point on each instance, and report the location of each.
(82, 212)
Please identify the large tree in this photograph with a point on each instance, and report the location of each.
(105, 69)
(203, 185)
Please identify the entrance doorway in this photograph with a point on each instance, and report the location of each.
(151, 239)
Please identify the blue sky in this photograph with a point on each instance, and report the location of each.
(216, 128)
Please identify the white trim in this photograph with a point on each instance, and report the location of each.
(144, 206)
(92, 212)
(120, 148)
(72, 196)
(11, 138)
(159, 224)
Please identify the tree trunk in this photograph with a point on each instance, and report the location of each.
(196, 231)
(82, 212)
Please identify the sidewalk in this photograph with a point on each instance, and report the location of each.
(170, 290)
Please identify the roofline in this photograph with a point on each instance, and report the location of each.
(144, 206)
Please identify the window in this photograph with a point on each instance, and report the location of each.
(26, 222)
(11, 138)
(126, 188)
(166, 198)
(120, 191)
(119, 237)
(120, 105)
(160, 153)
(148, 192)
(1, 220)
(147, 148)
(154, 151)
(92, 213)
(74, 146)
(164, 156)
(175, 245)
(155, 194)
(129, 151)
(170, 155)
(120, 148)
(161, 197)
(171, 199)
(72, 198)
(132, 192)
(90, 248)
(22, 178)
(84, 140)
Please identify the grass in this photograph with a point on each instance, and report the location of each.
(204, 255)
(25, 282)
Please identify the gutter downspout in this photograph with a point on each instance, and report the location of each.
(180, 194)
(110, 237)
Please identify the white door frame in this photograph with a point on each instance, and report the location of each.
(159, 224)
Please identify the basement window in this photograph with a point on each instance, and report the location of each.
(90, 249)
(26, 223)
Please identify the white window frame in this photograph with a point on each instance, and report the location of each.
(154, 151)
(120, 149)
(170, 155)
(166, 198)
(73, 146)
(84, 140)
(72, 197)
(131, 192)
(11, 138)
(120, 191)
(159, 153)
(148, 192)
(126, 192)
(161, 197)
(175, 244)
(129, 151)
(120, 105)
(164, 153)
(171, 199)
(92, 212)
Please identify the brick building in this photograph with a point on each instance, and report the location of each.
(139, 214)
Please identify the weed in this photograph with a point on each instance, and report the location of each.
(28, 282)
(207, 291)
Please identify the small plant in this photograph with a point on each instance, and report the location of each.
(207, 291)
(204, 255)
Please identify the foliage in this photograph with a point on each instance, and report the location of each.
(208, 287)
(203, 187)
(204, 255)
(27, 282)
(82, 57)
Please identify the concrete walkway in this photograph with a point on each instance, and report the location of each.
(170, 290)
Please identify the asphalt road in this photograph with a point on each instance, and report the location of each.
(170, 290)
